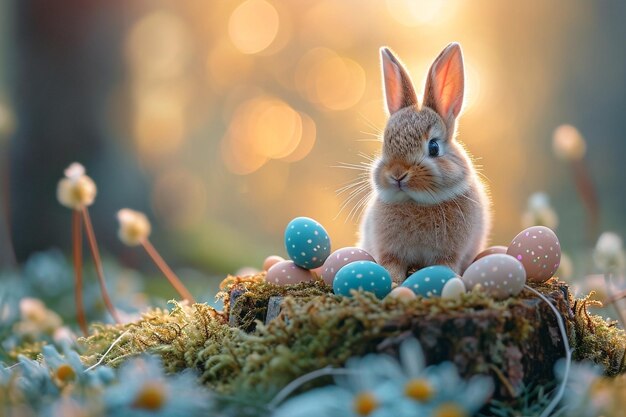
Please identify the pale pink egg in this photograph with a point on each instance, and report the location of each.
(402, 293)
(340, 258)
(271, 261)
(288, 273)
(539, 250)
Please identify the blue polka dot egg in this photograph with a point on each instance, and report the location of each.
(362, 276)
(430, 281)
(307, 242)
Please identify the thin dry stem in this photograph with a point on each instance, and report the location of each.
(77, 251)
(167, 271)
(95, 253)
(587, 190)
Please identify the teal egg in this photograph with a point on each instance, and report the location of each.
(429, 281)
(362, 276)
(307, 242)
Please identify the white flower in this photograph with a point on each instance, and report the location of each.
(609, 253)
(36, 319)
(579, 398)
(134, 227)
(76, 190)
(568, 143)
(380, 386)
(539, 212)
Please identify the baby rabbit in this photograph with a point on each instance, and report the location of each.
(428, 205)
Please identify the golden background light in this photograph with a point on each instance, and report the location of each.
(253, 26)
(240, 111)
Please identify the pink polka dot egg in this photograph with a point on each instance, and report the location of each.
(539, 250)
(340, 258)
(500, 275)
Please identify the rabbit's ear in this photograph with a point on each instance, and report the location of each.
(445, 83)
(396, 83)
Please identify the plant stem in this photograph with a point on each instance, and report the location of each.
(587, 191)
(169, 274)
(608, 282)
(95, 253)
(616, 297)
(77, 250)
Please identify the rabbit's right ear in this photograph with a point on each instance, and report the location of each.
(396, 83)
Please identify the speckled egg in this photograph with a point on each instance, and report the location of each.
(499, 274)
(287, 273)
(429, 281)
(307, 242)
(362, 276)
(341, 257)
(490, 251)
(539, 250)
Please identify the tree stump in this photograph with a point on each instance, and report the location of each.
(516, 341)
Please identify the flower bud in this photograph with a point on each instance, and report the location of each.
(76, 190)
(568, 143)
(134, 227)
(609, 253)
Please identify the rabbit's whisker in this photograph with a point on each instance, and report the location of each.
(358, 208)
(352, 185)
(352, 197)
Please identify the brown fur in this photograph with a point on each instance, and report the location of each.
(426, 210)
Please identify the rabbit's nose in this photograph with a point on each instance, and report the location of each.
(403, 176)
(398, 178)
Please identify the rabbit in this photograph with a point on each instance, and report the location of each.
(428, 205)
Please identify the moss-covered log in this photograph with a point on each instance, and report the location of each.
(515, 340)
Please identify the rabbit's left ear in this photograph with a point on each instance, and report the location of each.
(446, 83)
(398, 87)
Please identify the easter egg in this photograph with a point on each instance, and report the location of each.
(307, 242)
(539, 250)
(402, 293)
(362, 276)
(490, 251)
(339, 259)
(287, 273)
(429, 281)
(453, 289)
(271, 261)
(499, 274)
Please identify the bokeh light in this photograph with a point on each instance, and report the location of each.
(179, 198)
(413, 13)
(159, 124)
(332, 81)
(265, 128)
(7, 120)
(253, 26)
(159, 45)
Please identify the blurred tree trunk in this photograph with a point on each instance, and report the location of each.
(66, 64)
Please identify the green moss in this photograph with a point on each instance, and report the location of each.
(317, 329)
(597, 339)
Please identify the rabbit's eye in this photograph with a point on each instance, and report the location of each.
(433, 148)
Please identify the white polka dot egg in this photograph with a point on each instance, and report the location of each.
(339, 259)
(500, 275)
(429, 281)
(307, 242)
(287, 273)
(362, 276)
